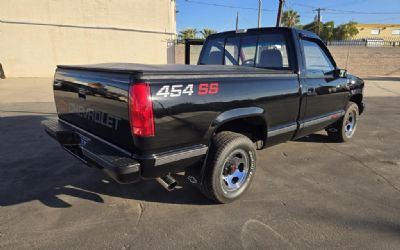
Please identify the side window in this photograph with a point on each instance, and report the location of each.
(232, 51)
(213, 52)
(272, 52)
(247, 54)
(315, 57)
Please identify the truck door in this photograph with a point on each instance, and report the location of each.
(323, 90)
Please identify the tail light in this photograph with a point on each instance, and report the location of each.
(141, 110)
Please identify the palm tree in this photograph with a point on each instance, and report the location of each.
(189, 33)
(290, 18)
(206, 32)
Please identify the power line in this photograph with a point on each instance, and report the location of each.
(339, 11)
(227, 6)
(384, 19)
(361, 13)
(364, 13)
(304, 5)
(328, 10)
(347, 3)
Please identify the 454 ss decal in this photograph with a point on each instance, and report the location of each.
(189, 89)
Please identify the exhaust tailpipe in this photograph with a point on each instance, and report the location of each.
(168, 182)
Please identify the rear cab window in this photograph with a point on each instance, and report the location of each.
(272, 52)
(213, 52)
(268, 51)
(247, 56)
(232, 51)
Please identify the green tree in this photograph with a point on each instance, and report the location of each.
(206, 32)
(312, 27)
(189, 33)
(345, 31)
(290, 18)
(328, 31)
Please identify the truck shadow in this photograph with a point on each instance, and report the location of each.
(316, 138)
(34, 167)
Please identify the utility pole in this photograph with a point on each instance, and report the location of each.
(278, 18)
(318, 31)
(237, 21)
(259, 13)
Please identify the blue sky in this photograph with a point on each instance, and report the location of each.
(202, 14)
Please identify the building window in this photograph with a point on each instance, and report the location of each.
(375, 32)
(395, 32)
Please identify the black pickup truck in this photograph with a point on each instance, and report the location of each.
(252, 89)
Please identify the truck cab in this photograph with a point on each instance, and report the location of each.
(323, 86)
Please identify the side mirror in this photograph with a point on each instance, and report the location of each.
(341, 73)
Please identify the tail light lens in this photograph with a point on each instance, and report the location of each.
(141, 110)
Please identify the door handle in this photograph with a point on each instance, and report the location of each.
(311, 92)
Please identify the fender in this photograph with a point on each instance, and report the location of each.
(356, 91)
(231, 115)
(195, 174)
(235, 114)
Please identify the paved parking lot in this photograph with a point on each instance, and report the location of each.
(306, 194)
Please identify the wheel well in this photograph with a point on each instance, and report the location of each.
(357, 98)
(253, 127)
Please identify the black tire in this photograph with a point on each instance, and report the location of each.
(226, 160)
(345, 128)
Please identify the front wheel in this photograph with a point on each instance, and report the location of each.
(230, 167)
(344, 129)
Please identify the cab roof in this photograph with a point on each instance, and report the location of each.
(256, 31)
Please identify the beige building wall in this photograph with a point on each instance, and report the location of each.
(364, 61)
(386, 31)
(36, 35)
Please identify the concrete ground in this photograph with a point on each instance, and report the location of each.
(306, 194)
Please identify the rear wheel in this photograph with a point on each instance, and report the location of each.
(229, 168)
(344, 129)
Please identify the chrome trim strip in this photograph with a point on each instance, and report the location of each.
(283, 130)
(183, 154)
(316, 121)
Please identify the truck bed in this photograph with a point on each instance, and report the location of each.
(171, 69)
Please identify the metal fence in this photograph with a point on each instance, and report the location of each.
(367, 42)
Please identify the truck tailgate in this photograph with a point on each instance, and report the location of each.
(96, 102)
